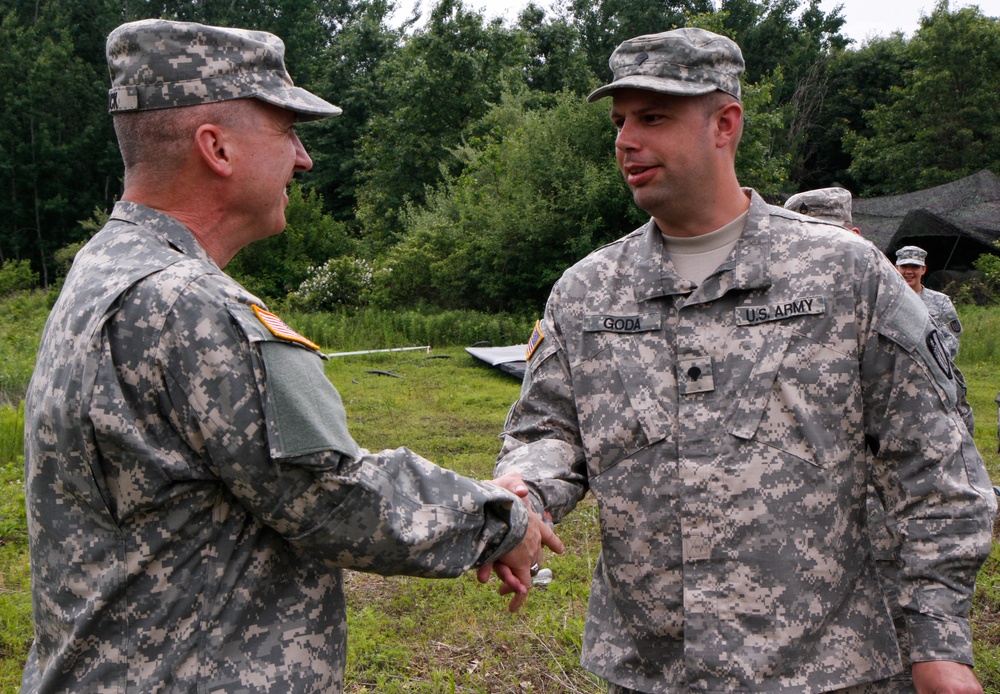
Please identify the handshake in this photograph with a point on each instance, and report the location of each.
(516, 568)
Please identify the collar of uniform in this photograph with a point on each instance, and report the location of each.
(748, 267)
(654, 276)
(175, 233)
(750, 262)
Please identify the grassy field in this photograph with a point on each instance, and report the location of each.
(444, 636)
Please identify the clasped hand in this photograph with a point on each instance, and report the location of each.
(514, 569)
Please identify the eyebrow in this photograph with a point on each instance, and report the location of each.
(660, 105)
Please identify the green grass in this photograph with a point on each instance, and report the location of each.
(979, 359)
(24, 316)
(15, 585)
(423, 635)
(442, 636)
(370, 329)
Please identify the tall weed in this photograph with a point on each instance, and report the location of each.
(11, 433)
(24, 315)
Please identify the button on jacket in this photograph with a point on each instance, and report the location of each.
(193, 491)
(722, 430)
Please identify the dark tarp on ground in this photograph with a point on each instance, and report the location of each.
(955, 223)
(509, 359)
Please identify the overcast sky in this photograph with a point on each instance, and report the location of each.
(864, 17)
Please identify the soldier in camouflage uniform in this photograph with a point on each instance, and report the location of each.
(829, 204)
(834, 206)
(911, 263)
(715, 379)
(192, 488)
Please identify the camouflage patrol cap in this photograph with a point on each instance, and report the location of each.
(688, 62)
(156, 64)
(830, 204)
(911, 255)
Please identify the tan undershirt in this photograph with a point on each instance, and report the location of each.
(695, 258)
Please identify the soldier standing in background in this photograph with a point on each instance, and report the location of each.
(911, 263)
(829, 204)
(726, 380)
(834, 205)
(192, 488)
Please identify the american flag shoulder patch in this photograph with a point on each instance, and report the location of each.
(536, 339)
(279, 329)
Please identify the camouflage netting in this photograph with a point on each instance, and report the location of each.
(955, 223)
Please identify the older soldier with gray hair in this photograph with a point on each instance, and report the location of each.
(192, 488)
(716, 379)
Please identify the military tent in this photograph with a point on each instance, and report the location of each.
(955, 223)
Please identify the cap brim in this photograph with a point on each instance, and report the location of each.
(653, 84)
(307, 105)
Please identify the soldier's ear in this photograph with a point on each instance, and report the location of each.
(729, 124)
(214, 149)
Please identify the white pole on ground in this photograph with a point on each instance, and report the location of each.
(377, 351)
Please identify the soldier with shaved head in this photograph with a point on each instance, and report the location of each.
(193, 491)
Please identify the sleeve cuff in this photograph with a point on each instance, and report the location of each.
(504, 534)
(937, 638)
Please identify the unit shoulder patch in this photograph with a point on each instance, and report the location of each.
(939, 351)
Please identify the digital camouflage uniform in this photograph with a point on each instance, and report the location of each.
(829, 204)
(938, 305)
(723, 432)
(156, 63)
(834, 205)
(193, 491)
(886, 546)
(945, 317)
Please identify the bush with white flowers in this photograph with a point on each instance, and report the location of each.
(339, 282)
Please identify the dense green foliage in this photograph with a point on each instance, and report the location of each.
(467, 170)
(538, 192)
(277, 265)
(943, 122)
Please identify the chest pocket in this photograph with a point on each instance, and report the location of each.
(619, 396)
(303, 410)
(799, 398)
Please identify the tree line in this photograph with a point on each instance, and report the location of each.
(467, 170)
